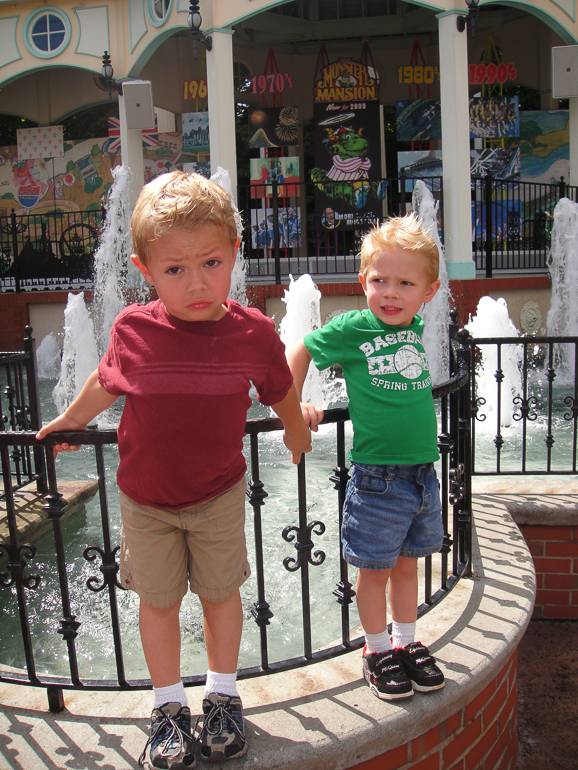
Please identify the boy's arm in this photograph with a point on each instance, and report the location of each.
(299, 359)
(297, 436)
(91, 401)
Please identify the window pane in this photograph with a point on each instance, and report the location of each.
(55, 24)
(41, 42)
(41, 25)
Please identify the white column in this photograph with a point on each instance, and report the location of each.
(222, 104)
(573, 141)
(131, 152)
(453, 47)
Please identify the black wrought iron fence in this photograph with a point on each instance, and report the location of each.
(524, 405)
(53, 250)
(285, 233)
(20, 411)
(512, 222)
(17, 559)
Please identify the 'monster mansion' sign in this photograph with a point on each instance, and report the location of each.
(345, 81)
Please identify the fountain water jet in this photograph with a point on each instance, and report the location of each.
(436, 314)
(303, 314)
(48, 356)
(492, 320)
(562, 319)
(238, 291)
(78, 360)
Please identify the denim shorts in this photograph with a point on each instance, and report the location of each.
(391, 511)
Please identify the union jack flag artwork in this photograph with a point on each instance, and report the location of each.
(150, 136)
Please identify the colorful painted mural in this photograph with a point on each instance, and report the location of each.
(80, 179)
(544, 146)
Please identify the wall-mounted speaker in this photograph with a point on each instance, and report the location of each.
(565, 72)
(138, 102)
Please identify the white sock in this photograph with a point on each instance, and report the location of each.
(174, 693)
(377, 642)
(402, 634)
(223, 683)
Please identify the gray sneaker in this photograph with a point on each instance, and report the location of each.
(170, 740)
(220, 729)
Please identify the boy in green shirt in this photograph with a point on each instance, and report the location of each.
(392, 511)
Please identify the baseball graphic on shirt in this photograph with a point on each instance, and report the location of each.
(408, 362)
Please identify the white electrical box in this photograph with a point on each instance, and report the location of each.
(565, 72)
(138, 102)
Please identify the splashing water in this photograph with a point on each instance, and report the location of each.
(238, 291)
(436, 314)
(111, 259)
(48, 358)
(492, 320)
(562, 319)
(303, 314)
(79, 355)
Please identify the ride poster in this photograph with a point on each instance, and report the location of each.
(347, 174)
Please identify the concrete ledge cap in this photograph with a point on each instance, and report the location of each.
(321, 717)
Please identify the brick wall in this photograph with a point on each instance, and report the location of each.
(555, 553)
(481, 736)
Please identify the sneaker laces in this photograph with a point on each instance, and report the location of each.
(175, 732)
(214, 721)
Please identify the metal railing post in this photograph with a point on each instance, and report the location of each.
(14, 234)
(488, 195)
(276, 231)
(34, 407)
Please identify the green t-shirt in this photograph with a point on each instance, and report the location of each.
(388, 384)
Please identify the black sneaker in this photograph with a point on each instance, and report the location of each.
(170, 740)
(421, 667)
(219, 729)
(385, 675)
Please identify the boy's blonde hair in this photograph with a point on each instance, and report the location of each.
(178, 199)
(400, 233)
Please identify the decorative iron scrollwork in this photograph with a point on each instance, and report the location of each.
(526, 405)
(261, 613)
(573, 404)
(340, 477)
(109, 569)
(16, 568)
(475, 408)
(69, 625)
(54, 505)
(344, 593)
(303, 546)
(256, 493)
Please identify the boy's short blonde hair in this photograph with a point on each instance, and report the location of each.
(178, 199)
(400, 233)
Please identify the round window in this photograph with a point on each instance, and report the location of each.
(47, 32)
(158, 10)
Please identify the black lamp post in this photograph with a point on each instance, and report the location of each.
(470, 19)
(194, 21)
(107, 78)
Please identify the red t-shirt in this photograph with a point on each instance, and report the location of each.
(186, 384)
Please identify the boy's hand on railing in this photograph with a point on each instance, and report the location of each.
(312, 415)
(61, 423)
(298, 442)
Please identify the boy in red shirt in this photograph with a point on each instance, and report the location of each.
(185, 363)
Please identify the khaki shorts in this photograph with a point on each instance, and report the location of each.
(203, 545)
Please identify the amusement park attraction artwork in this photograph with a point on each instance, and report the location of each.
(347, 174)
